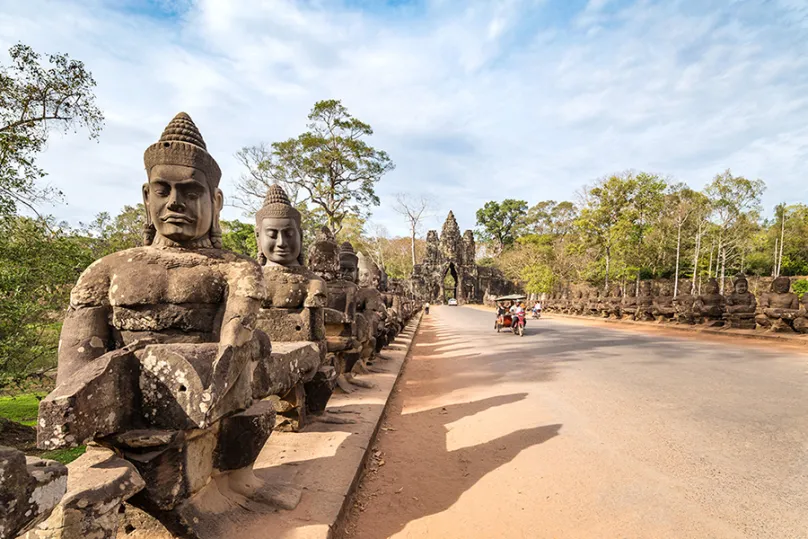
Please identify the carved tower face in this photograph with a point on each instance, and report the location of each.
(451, 242)
(781, 285)
(277, 225)
(279, 240)
(179, 202)
(711, 286)
(182, 197)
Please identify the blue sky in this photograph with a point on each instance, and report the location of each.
(473, 100)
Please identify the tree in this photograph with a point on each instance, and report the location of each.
(33, 100)
(602, 220)
(252, 185)
(732, 199)
(413, 209)
(684, 206)
(331, 165)
(500, 221)
(239, 237)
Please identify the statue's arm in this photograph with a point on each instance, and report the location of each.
(242, 303)
(85, 333)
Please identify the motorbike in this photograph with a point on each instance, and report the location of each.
(536, 315)
(518, 324)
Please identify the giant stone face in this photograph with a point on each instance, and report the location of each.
(179, 202)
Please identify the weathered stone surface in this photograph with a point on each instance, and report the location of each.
(174, 471)
(290, 364)
(98, 482)
(453, 254)
(663, 308)
(741, 306)
(98, 399)
(779, 307)
(320, 388)
(187, 310)
(241, 436)
(30, 488)
(709, 307)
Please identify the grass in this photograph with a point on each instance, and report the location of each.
(65, 456)
(21, 408)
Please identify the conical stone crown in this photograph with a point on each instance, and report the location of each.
(183, 129)
(278, 205)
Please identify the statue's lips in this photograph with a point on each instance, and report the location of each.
(177, 219)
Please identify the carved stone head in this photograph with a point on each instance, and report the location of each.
(348, 263)
(323, 256)
(277, 226)
(369, 274)
(666, 289)
(182, 196)
(781, 285)
(711, 286)
(740, 285)
(645, 288)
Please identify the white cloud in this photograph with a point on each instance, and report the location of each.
(473, 101)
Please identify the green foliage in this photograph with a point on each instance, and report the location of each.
(486, 262)
(331, 165)
(33, 100)
(239, 237)
(500, 222)
(39, 263)
(21, 408)
(800, 287)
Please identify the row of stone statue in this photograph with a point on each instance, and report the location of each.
(177, 359)
(778, 310)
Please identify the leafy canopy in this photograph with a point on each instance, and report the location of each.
(33, 99)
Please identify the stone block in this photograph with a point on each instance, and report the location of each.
(99, 399)
(98, 483)
(243, 435)
(30, 488)
(319, 389)
(290, 363)
(289, 325)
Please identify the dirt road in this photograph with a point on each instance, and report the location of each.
(577, 431)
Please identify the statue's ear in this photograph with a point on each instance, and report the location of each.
(145, 190)
(215, 228)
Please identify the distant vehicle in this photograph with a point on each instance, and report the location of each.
(452, 301)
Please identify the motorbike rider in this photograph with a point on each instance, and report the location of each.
(426, 308)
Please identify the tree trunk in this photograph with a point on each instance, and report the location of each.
(696, 253)
(723, 251)
(710, 266)
(782, 241)
(678, 249)
(774, 266)
(608, 262)
(412, 246)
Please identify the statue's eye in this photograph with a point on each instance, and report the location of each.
(272, 233)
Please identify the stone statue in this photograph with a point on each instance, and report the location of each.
(592, 302)
(741, 305)
(293, 308)
(663, 308)
(579, 303)
(324, 260)
(370, 305)
(709, 308)
(683, 307)
(629, 304)
(158, 349)
(613, 303)
(645, 302)
(779, 307)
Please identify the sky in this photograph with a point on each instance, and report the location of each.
(473, 100)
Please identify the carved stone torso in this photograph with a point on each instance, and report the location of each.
(711, 305)
(738, 303)
(342, 297)
(774, 300)
(172, 294)
(292, 287)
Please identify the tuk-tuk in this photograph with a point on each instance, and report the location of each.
(504, 317)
